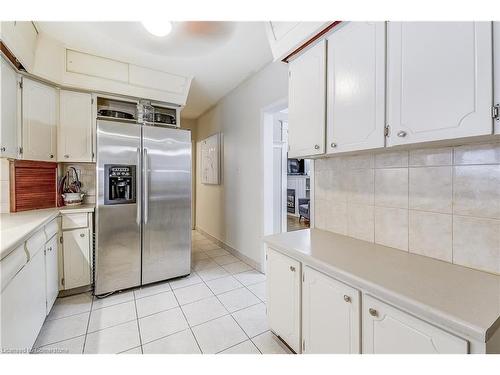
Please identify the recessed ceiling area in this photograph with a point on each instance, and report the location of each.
(219, 55)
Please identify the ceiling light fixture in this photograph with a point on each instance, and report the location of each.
(158, 27)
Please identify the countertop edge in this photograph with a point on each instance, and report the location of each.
(402, 302)
(50, 216)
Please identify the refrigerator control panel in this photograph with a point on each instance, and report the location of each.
(119, 184)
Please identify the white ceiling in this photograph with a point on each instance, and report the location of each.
(219, 55)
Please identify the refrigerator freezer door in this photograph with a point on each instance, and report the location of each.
(118, 226)
(167, 203)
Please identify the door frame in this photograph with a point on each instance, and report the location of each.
(268, 114)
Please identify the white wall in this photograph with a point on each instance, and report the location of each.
(232, 211)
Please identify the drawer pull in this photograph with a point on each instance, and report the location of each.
(82, 235)
(292, 268)
(347, 298)
(316, 147)
(373, 312)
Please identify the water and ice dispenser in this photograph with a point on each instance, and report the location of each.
(119, 184)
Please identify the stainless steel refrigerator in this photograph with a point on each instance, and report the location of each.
(143, 211)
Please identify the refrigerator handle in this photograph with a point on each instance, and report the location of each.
(146, 185)
(138, 194)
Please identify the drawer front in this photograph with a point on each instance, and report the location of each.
(11, 265)
(36, 242)
(73, 221)
(51, 229)
(388, 330)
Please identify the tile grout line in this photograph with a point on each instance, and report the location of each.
(189, 326)
(88, 324)
(138, 325)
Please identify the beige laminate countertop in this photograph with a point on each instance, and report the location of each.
(463, 300)
(19, 226)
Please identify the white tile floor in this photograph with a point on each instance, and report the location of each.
(219, 308)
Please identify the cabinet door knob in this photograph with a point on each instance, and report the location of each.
(51, 156)
(401, 134)
(82, 235)
(316, 147)
(3, 149)
(373, 312)
(333, 145)
(292, 268)
(347, 298)
(66, 156)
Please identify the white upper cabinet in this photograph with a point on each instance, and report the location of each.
(496, 72)
(356, 87)
(20, 37)
(286, 37)
(331, 316)
(439, 80)
(74, 137)
(387, 330)
(39, 118)
(283, 292)
(307, 102)
(9, 144)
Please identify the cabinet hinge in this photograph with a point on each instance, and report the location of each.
(21, 150)
(303, 276)
(92, 101)
(386, 130)
(495, 112)
(303, 345)
(61, 239)
(289, 74)
(20, 84)
(62, 281)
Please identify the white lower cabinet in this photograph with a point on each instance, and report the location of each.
(77, 259)
(387, 330)
(24, 306)
(283, 291)
(326, 316)
(51, 272)
(330, 315)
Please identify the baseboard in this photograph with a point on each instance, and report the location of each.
(233, 251)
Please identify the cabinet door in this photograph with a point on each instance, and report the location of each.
(51, 272)
(439, 80)
(387, 330)
(76, 254)
(283, 291)
(75, 127)
(9, 130)
(356, 87)
(330, 315)
(39, 121)
(23, 306)
(307, 101)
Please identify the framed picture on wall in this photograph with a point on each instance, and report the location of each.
(210, 160)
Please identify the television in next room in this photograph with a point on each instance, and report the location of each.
(296, 166)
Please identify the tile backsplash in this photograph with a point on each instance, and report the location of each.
(439, 202)
(86, 174)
